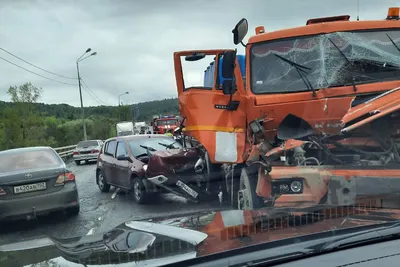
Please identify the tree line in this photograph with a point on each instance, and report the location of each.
(25, 122)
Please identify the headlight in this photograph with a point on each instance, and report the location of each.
(145, 167)
(287, 186)
(296, 186)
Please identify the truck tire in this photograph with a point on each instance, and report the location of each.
(247, 198)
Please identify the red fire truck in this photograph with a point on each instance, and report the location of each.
(163, 123)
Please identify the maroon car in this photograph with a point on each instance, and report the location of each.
(121, 160)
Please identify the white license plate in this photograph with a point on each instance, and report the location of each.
(29, 188)
(187, 189)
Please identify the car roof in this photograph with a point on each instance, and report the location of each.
(26, 149)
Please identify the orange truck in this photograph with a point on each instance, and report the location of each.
(314, 122)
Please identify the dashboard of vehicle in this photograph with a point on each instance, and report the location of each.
(380, 254)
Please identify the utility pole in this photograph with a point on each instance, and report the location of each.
(119, 105)
(80, 88)
(83, 110)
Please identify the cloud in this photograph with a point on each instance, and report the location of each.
(135, 40)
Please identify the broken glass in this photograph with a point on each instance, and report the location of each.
(334, 59)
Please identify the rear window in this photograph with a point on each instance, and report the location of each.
(87, 143)
(24, 160)
(153, 143)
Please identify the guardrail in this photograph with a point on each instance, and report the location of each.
(65, 151)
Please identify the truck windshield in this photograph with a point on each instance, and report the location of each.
(335, 59)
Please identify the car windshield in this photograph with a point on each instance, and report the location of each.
(166, 122)
(87, 143)
(334, 59)
(25, 160)
(138, 145)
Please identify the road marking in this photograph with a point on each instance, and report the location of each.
(91, 231)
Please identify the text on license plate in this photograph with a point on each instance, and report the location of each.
(29, 188)
(187, 189)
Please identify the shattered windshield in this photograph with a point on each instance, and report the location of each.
(334, 59)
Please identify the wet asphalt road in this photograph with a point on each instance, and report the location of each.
(99, 212)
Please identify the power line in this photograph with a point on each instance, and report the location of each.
(36, 73)
(62, 76)
(92, 94)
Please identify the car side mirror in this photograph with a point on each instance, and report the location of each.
(124, 157)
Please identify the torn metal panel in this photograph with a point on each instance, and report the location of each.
(372, 109)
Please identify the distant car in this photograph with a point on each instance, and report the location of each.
(121, 162)
(87, 150)
(34, 181)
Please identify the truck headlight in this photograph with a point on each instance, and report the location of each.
(287, 186)
(296, 186)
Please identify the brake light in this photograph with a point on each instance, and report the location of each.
(95, 151)
(65, 178)
(76, 153)
(2, 192)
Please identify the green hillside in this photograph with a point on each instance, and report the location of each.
(24, 122)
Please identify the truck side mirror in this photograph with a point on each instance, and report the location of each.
(228, 64)
(228, 68)
(227, 87)
(240, 31)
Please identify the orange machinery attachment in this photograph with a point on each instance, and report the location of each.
(323, 94)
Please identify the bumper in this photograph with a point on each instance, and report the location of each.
(22, 208)
(85, 157)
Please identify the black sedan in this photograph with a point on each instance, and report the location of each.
(35, 181)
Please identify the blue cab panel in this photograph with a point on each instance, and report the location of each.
(209, 72)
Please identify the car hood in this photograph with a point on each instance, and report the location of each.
(165, 161)
(162, 241)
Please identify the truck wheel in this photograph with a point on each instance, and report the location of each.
(139, 191)
(247, 198)
(101, 182)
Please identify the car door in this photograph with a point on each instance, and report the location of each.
(109, 161)
(122, 166)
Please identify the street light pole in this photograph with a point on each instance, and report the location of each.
(80, 89)
(83, 110)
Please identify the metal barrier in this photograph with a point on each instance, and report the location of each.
(65, 151)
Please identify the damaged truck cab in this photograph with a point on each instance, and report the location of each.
(314, 103)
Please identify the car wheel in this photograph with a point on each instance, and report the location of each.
(247, 199)
(101, 182)
(86, 161)
(74, 210)
(77, 162)
(139, 191)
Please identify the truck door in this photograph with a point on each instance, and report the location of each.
(201, 100)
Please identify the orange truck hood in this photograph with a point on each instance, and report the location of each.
(373, 109)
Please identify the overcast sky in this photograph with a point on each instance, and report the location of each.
(135, 40)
